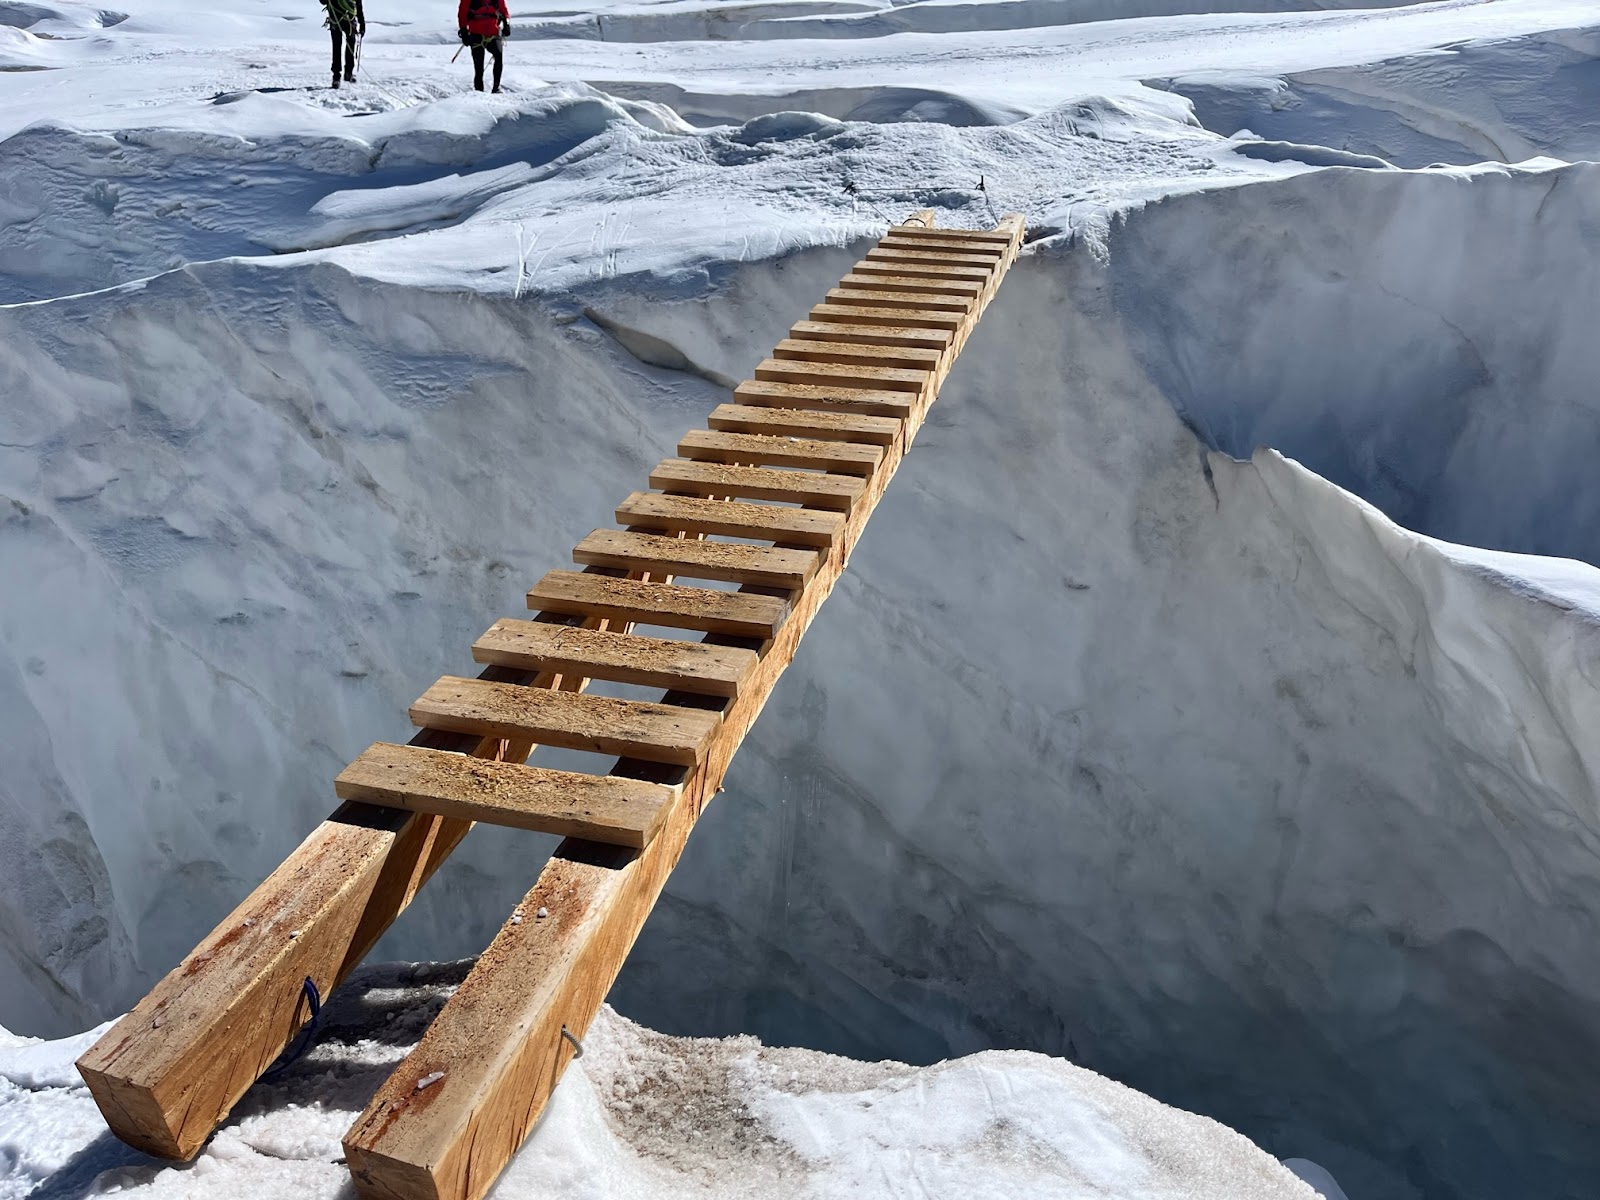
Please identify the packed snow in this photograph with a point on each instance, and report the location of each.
(646, 1117)
(1261, 781)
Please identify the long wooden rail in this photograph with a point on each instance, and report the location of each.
(792, 468)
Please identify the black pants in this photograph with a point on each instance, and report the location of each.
(493, 46)
(346, 34)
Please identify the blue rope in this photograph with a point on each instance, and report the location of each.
(303, 1041)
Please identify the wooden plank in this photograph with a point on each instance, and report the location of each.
(730, 562)
(573, 720)
(803, 423)
(496, 1051)
(601, 808)
(921, 254)
(837, 492)
(844, 458)
(730, 518)
(874, 402)
(988, 251)
(923, 270)
(886, 333)
(992, 237)
(877, 296)
(671, 605)
(873, 281)
(809, 350)
(862, 316)
(889, 379)
(619, 657)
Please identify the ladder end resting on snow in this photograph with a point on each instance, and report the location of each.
(770, 498)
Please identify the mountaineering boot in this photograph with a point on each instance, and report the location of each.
(336, 80)
(496, 88)
(349, 76)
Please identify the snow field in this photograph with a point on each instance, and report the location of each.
(648, 1117)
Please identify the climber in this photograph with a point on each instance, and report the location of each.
(346, 22)
(483, 23)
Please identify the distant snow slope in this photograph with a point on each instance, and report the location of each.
(1191, 767)
(647, 1117)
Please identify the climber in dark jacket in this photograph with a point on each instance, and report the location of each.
(346, 22)
(482, 24)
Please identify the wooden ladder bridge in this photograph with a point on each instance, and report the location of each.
(792, 469)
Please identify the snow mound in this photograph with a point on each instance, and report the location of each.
(647, 1117)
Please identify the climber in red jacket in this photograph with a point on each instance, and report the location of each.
(482, 24)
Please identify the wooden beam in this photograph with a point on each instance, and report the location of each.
(846, 458)
(804, 423)
(666, 604)
(601, 808)
(890, 379)
(838, 492)
(573, 720)
(620, 657)
(730, 562)
(874, 402)
(731, 518)
(866, 355)
(895, 333)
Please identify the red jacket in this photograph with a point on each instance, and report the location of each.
(482, 17)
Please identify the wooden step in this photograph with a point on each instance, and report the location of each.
(874, 281)
(919, 254)
(573, 720)
(731, 562)
(802, 423)
(600, 808)
(869, 334)
(807, 350)
(906, 241)
(579, 594)
(889, 379)
(991, 237)
(865, 316)
(872, 402)
(574, 652)
(844, 458)
(730, 518)
(837, 492)
(876, 296)
(912, 270)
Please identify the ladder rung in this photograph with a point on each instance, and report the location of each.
(731, 562)
(891, 379)
(951, 235)
(600, 808)
(921, 254)
(802, 423)
(906, 241)
(838, 492)
(580, 594)
(730, 518)
(860, 316)
(571, 651)
(572, 720)
(816, 398)
(900, 333)
(923, 270)
(947, 289)
(807, 350)
(875, 296)
(844, 458)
